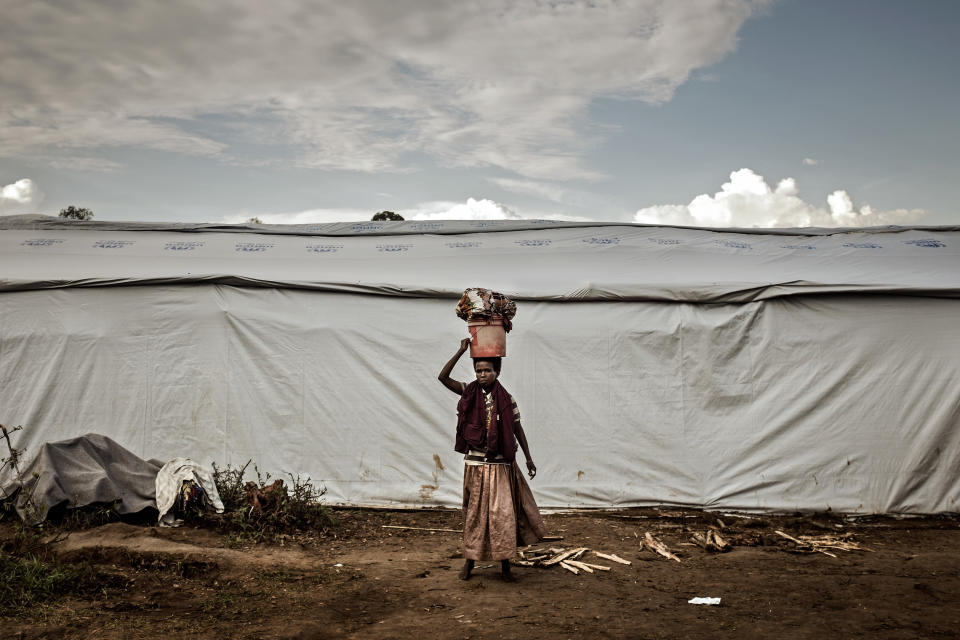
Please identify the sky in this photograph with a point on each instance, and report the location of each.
(747, 113)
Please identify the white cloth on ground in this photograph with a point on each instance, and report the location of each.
(169, 479)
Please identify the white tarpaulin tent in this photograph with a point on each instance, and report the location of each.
(742, 369)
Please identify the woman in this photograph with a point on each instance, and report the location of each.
(498, 508)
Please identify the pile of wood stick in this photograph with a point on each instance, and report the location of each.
(711, 541)
(820, 544)
(569, 559)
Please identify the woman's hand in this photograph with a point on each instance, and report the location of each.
(531, 469)
(444, 375)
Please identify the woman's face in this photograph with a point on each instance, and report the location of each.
(486, 376)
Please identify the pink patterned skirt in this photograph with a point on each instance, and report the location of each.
(499, 512)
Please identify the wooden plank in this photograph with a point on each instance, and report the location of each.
(611, 556)
(556, 559)
(598, 567)
(789, 537)
(714, 536)
(562, 556)
(393, 526)
(579, 565)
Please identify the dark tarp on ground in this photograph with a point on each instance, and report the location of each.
(81, 471)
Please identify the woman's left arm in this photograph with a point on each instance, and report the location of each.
(522, 439)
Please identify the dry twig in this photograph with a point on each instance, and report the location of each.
(656, 546)
(820, 544)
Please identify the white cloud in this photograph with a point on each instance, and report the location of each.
(811, 162)
(21, 196)
(20, 192)
(309, 216)
(347, 85)
(748, 201)
(482, 209)
(471, 209)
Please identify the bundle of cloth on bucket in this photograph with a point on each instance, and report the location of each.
(483, 304)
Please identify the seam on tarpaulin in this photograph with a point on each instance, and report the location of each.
(734, 296)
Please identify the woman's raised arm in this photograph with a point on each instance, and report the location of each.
(444, 377)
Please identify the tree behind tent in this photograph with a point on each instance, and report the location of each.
(76, 213)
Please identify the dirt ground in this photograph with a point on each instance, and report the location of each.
(362, 580)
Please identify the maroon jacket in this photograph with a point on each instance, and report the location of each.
(471, 422)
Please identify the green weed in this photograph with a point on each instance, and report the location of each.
(32, 580)
(293, 509)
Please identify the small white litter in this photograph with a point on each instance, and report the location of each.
(704, 601)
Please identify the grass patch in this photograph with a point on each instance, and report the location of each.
(29, 581)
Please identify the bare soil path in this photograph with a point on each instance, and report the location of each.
(365, 581)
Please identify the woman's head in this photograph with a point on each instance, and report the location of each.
(487, 370)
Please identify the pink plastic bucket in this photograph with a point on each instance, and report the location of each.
(488, 338)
